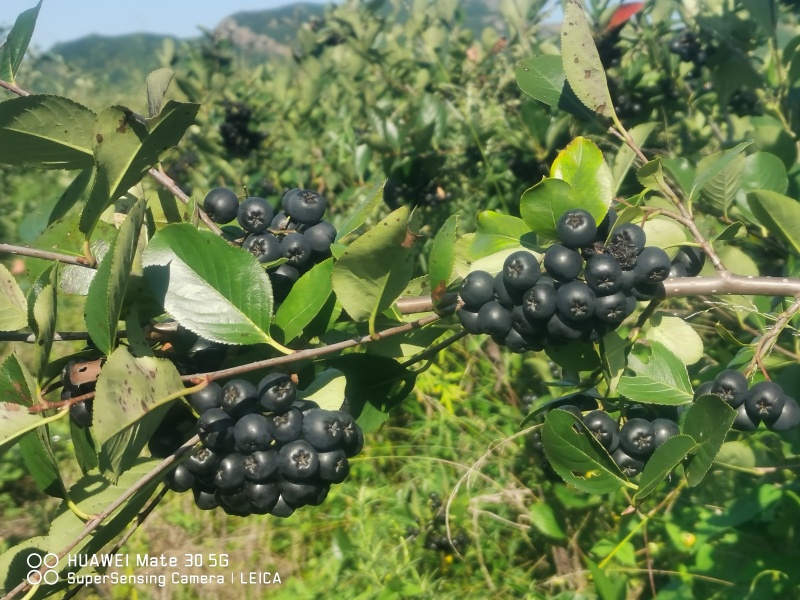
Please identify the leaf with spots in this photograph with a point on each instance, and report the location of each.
(125, 147)
(582, 64)
(130, 401)
(13, 306)
(17, 385)
(443, 257)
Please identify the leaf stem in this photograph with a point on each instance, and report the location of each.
(13, 88)
(44, 254)
(768, 340)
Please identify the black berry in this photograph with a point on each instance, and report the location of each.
(764, 401)
(230, 472)
(789, 417)
(562, 263)
(298, 461)
(254, 215)
(304, 206)
(261, 465)
(663, 430)
(603, 428)
(629, 465)
(207, 398)
(477, 289)
(603, 274)
(221, 205)
(239, 398)
(333, 466)
(575, 301)
(652, 265)
(691, 258)
(265, 247)
(636, 437)
(576, 228)
(521, 271)
(493, 319)
(276, 392)
(296, 249)
(731, 386)
(320, 237)
(251, 433)
(539, 303)
(286, 427)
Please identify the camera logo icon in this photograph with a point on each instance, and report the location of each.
(35, 562)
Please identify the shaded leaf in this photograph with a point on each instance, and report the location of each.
(707, 422)
(575, 356)
(17, 385)
(41, 463)
(722, 188)
(213, 289)
(107, 290)
(42, 309)
(46, 132)
(15, 421)
(543, 518)
(662, 462)
(309, 294)
(625, 157)
(578, 458)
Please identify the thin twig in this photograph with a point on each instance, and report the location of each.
(176, 191)
(92, 524)
(13, 88)
(768, 340)
(312, 353)
(44, 254)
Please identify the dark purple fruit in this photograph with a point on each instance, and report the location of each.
(629, 465)
(663, 430)
(743, 421)
(612, 309)
(637, 438)
(261, 465)
(180, 479)
(276, 392)
(562, 263)
(469, 320)
(207, 398)
(764, 401)
(333, 466)
(251, 433)
(322, 429)
(691, 258)
(477, 289)
(296, 249)
(286, 427)
(506, 296)
(205, 499)
(203, 462)
(281, 509)
(494, 319)
(603, 274)
(238, 398)
(262, 496)
(521, 271)
(576, 228)
(320, 237)
(731, 386)
(298, 461)
(575, 301)
(215, 428)
(221, 205)
(265, 247)
(254, 215)
(305, 206)
(789, 417)
(230, 472)
(604, 428)
(539, 303)
(652, 265)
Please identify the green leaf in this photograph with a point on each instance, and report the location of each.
(625, 157)
(128, 390)
(17, 385)
(663, 380)
(581, 165)
(677, 336)
(126, 147)
(681, 171)
(763, 12)
(213, 289)
(543, 518)
(107, 290)
(662, 462)
(309, 294)
(41, 463)
(543, 78)
(574, 356)
(713, 164)
(763, 171)
(327, 389)
(578, 458)
(496, 232)
(707, 421)
(375, 268)
(46, 132)
(542, 205)
(614, 356)
(13, 49)
(665, 233)
(608, 587)
(443, 255)
(778, 213)
(83, 444)
(13, 306)
(375, 385)
(651, 175)
(734, 231)
(43, 306)
(157, 85)
(581, 62)
(363, 212)
(15, 421)
(721, 189)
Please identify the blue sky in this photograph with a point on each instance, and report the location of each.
(63, 20)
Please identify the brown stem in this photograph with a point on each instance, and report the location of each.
(312, 353)
(44, 254)
(176, 191)
(12, 88)
(95, 521)
(767, 341)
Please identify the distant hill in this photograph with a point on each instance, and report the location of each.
(128, 54)
(254, 33)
